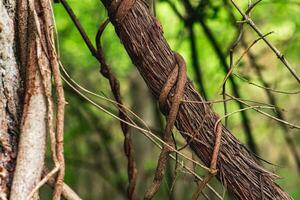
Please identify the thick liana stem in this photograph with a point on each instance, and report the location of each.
(238, 171)
(196, 17)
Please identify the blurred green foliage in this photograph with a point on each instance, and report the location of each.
(93, 140)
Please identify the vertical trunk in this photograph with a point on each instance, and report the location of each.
(24, 113)
(10, 107)
(34, 59)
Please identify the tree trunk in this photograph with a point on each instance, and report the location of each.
(10, 96)
(143, 39)
(24, 114)
(35, 49)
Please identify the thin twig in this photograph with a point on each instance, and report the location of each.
(232, 66)
(67, 191)
(240, 58)
(272, 47)
(264, 87)
(43, 181)
(268, 90)
(231, 51)
(290, 125)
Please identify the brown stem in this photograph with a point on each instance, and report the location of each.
(149, 51)
(178, 76)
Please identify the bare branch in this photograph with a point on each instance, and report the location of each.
(272, 47)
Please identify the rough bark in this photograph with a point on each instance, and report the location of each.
(10, 88)
(33, 127)
(143, 39)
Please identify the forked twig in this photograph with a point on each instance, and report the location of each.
(67, 192)
(231, 69)
(279, 55)
(46, 178)
(231, 51)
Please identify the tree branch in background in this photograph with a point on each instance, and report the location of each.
(279, 114)
(195, 59)
(106, 142)
(279, 55)
(269, 92)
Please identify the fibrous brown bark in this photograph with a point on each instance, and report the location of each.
(143, 39)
